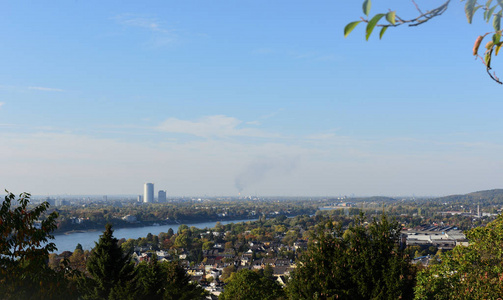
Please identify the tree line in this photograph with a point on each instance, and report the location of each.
(361, 261)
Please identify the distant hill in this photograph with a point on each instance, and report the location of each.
(378, 199)
(366, 199)
(489, 195)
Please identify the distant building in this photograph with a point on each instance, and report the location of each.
(442, 237)
(140, 198)
(148, 193)
(61, 202)
(129, 218)
(51, 201)
(161, 198)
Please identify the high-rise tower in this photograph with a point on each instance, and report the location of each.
(161, 198)
(148, 192)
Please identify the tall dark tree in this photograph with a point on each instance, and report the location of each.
(152, 279)
(179, 286)
(111, 271)
(166, 280)
(364, 262)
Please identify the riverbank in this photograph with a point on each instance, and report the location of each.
(68, 242)
(120, 225)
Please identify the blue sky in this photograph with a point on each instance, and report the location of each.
(262, 97)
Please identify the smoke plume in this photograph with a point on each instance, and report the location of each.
(261, 168)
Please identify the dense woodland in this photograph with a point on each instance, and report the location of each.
(350, 252)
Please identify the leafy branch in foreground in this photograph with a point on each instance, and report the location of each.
(24, 251)
(493, 10)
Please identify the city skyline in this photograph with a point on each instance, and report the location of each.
(254, 97)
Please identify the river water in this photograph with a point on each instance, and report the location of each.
(68, 242)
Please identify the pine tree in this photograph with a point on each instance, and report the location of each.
(152, 279)
(179, 286)
(111, 271)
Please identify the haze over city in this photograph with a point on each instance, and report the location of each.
(255, 97)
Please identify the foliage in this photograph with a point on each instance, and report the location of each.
(111, 271)
(362, 263)
(492, 11)
(250, 285)
(166, 280)
(24, 273)
(152, 279)
(179, 286)
(472, 272)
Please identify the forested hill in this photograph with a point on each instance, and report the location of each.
(482, 196)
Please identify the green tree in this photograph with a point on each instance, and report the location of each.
(362, 263)
(24, 252)
(471, 272)
(227, 272)
(182, 240)
(208, 245)
(152, 279)
(492, 12)
(179, 286)
(111, 270)
(250, 285)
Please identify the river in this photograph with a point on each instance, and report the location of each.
(68, 242)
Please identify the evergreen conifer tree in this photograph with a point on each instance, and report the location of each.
(112, 273)
(152, 279)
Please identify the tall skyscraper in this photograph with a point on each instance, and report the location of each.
(161, 196)
(148, 193)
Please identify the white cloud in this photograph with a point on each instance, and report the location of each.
(254, 123)
(1, 104)
(212, 126)
(45, 89)
(160, 35)
(149, 23)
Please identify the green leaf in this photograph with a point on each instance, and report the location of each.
(489, 45)
(488, 59)
(383, 30)
(372, 24)
(470, 9)
(350, 27)
(497, 49)
(490, 13)
(496, 37)
(366, 7)
(497, 21)
(488, 3)
(390, 17)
